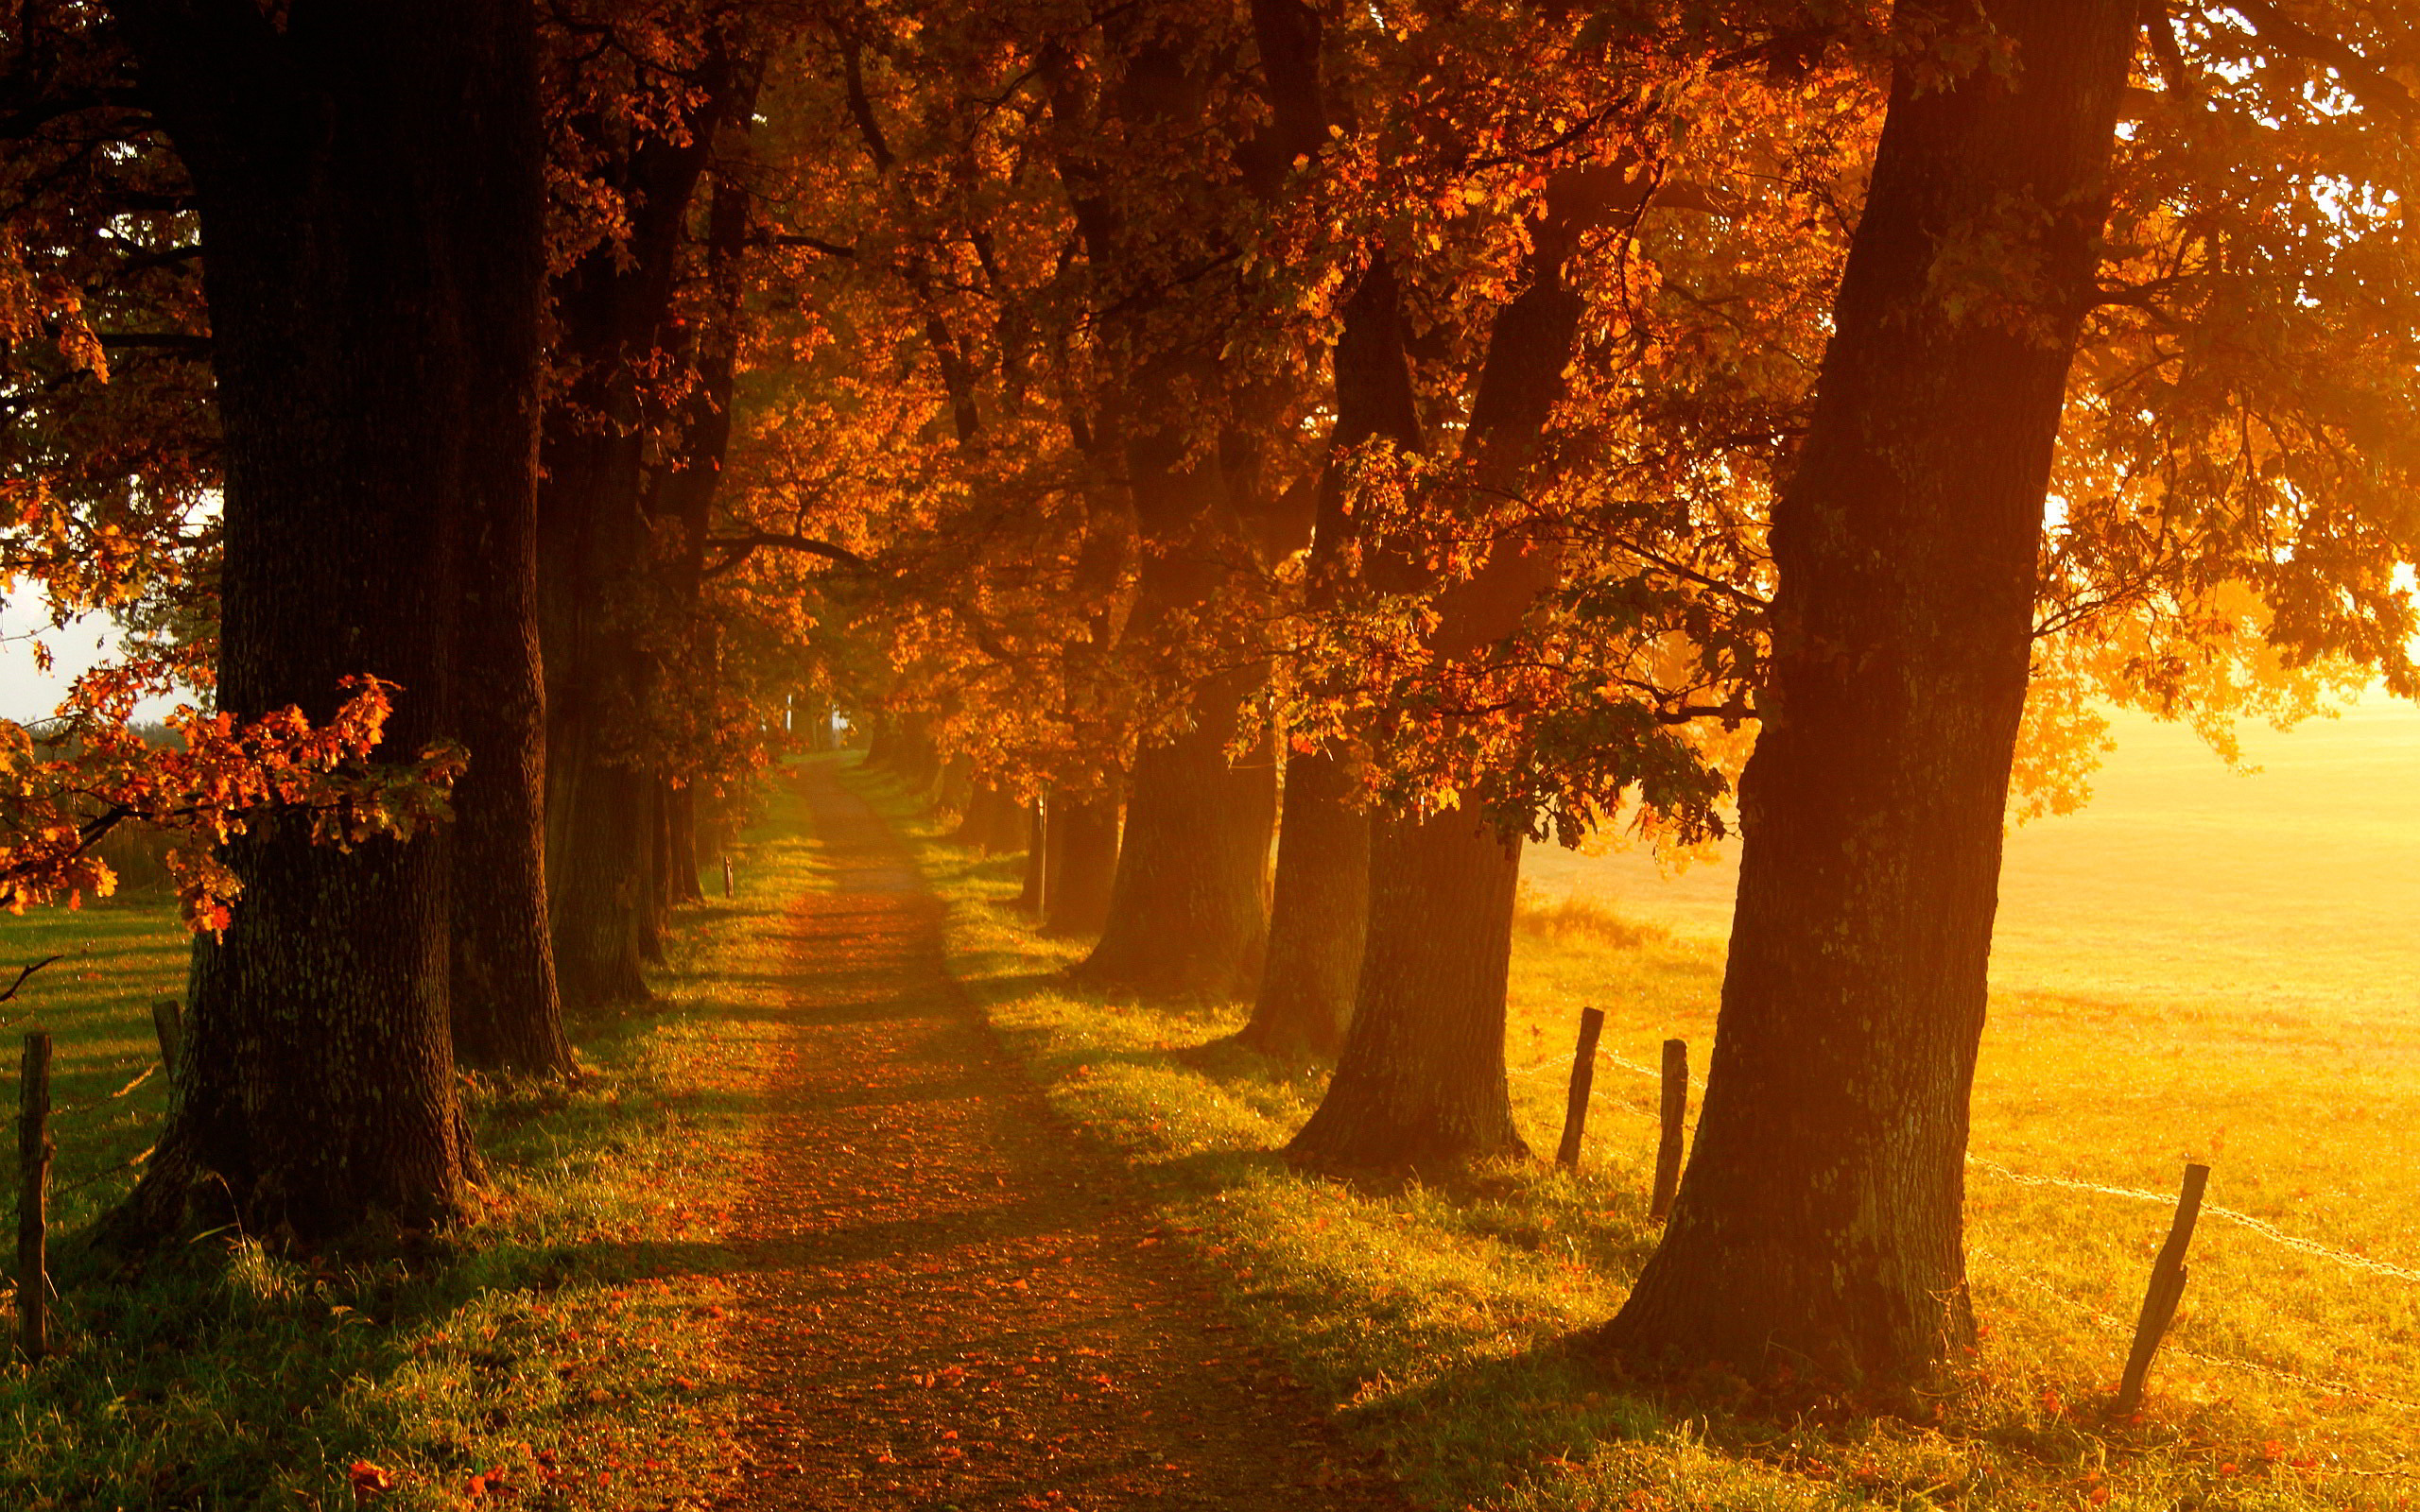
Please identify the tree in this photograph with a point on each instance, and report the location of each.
(639, 120)
(1420, 1079)
(1320, 910)
(1818, 1221)
(1319, 896)
(367, 182)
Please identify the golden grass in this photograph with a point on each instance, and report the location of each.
(1438, 1318)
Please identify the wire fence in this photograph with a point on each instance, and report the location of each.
(2121, 1331)
(2260, 1226)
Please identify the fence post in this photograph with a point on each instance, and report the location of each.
(34, 1150)
(1583, 1074)
(1676, 1112)
(167, 1021)
(2167, 1288)
(726, 876)
(1041, 855)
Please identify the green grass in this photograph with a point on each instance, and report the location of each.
(564, 1339)
(1438, 1318)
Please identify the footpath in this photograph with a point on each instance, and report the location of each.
(948, 1299)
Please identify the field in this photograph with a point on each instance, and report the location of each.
(556, 1352)
(2200, 967)
(2156, 1001)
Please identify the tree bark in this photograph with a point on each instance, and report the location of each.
(1084, 864)
(1420, 1079)
(506, 1009)
(593, 549)
(1031, 894)
(1421, 1082)
(683, 494)
(1319, 915)
(368, 182)
(994, 821)
(682, 807)
(1188, 903)
(1819, 1224)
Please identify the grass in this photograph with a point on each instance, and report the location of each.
(560, 1353)
(1438, 1319)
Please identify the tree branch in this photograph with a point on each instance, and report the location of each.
(2363, 78)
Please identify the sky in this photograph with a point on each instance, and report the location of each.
(27, 693)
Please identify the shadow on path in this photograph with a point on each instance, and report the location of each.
(946, 1302)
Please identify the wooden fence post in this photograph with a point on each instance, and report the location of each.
(1583, 1074)
(1041, 855)
(2167, 1288)
(726, 876)
(34, 1150)
(1676, 1112)
(167, 1021)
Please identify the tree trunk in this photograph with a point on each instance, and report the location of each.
(682, 807)
(369, 189)
(1319, 915)
(507, 1010)
(882, 745)
(1084, 864)
(1420, 1079)
(1421, 1082)
(594, 546)
(683, 495)
(1030, 897)
(1188, 904)
(1819, 1224)
(959, 789)
(995, 822)
(660, 863)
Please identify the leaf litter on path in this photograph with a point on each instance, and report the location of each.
(949, 1300)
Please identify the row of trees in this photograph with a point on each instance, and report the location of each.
(1494, 420)
(1508, 418)
(373, 365)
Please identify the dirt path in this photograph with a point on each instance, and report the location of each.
(951, 1303)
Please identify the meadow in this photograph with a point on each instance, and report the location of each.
(2156, 1001)
(562, 1349)
(557, 1350)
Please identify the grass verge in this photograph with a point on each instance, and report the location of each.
(561, 1353)
(1438, 1319)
